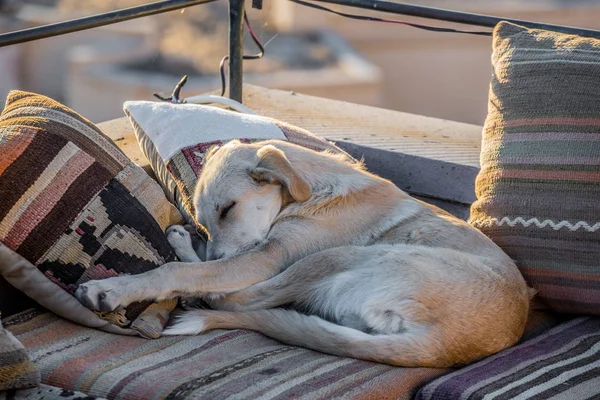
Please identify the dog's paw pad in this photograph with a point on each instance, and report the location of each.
(104, 295)
(175, 230)
(178, 237)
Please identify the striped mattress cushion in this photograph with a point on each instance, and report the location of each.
(176, 137)
(75, 208)
(539, 184)
(217, 365)
(561, 364)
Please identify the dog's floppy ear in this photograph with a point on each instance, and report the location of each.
(273, 166)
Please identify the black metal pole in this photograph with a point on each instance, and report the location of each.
(455, 16)
(94, 21)
(236, 48)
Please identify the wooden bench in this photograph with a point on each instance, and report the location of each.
(433, 159)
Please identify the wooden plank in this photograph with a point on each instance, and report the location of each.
(370, 126)
(121, 132)
(421, 155)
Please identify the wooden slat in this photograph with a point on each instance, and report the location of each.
(121, 132)
(369, 126)
(425, 156)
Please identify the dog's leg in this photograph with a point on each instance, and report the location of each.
(180, 279)
(422, 348)
(219, 276)
(294, 285)
(419, 314)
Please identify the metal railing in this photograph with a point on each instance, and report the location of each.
(236, 25)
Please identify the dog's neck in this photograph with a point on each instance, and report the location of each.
(335, 182)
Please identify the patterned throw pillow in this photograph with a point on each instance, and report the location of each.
(16, 370)
(538, 192)
(75, 208)
(176, 137)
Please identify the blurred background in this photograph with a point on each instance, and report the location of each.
(444, 75)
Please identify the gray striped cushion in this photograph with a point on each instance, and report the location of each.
(539, 185)
(563, 363)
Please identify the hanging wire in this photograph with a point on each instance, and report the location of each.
(175, 95)
(245, 57)
(174, 98)
(365, 18)
(346, 15)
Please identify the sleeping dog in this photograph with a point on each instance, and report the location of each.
(364, 270)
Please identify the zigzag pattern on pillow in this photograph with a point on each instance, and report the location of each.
(536, 222)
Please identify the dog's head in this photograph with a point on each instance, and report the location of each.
(240, 192)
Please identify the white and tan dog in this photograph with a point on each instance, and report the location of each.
(368, 271)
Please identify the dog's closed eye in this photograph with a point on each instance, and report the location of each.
(225, 210)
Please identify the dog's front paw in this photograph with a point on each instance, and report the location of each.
(105, 295)
(178, 236)
(180, 239)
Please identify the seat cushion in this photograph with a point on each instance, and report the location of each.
(74, 208)
(562, 363)
(539, 184)
(216, 365)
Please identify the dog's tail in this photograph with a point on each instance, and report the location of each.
(403, 349)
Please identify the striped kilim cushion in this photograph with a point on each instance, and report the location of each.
(561, 364)
(75, 208)
(217, 365)
(176, 137)
(16, 370)
(538, 192)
